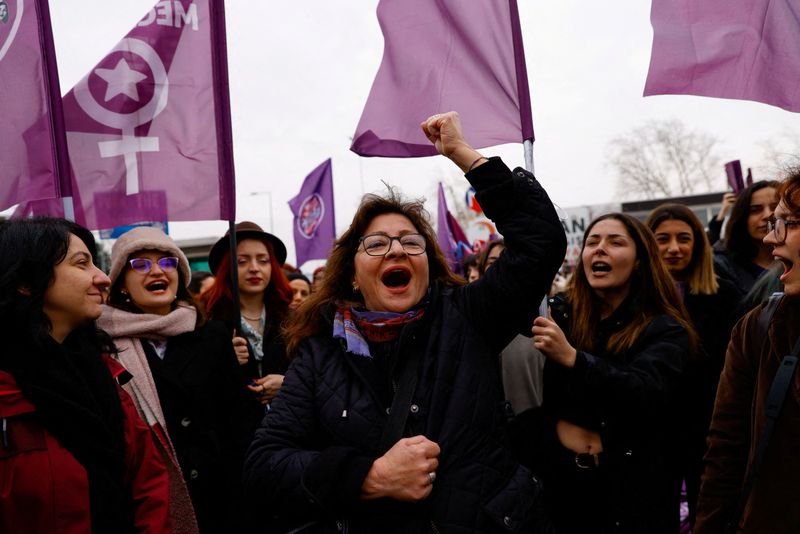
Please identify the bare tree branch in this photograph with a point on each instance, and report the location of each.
(662, 159)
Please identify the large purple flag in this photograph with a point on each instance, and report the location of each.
(442, 55)
(33, 157)
(741, 49)
(452, 239)
(148, 128)
(314, 221)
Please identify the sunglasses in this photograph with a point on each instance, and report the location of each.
(144, 265)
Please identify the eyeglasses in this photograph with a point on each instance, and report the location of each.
(144, 265)
(779, 227)
(381, 244)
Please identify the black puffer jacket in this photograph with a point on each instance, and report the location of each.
(317, 444)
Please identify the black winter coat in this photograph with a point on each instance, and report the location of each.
(316, 445)
(713, 317)
(630, 399)
(205, 408)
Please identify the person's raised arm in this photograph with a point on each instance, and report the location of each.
(444, 131)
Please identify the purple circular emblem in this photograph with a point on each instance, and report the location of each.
(310, 215)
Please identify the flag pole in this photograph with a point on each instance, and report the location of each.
(527, 146)
(237, 311)
(225, 142)
(53, 88)
(69, 209)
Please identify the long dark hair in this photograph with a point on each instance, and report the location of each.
(740, 245)
(483, 260)
(700, 271)
(336, 287)
(30, 249)
(656, 293)
(277, 296)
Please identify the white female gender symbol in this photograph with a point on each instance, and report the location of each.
(129, 145)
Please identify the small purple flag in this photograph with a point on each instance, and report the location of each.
(32, 143)
(148, 128)
(740, 49)
(733, 170)
(452, 239)
(440, 56)
(314, 221)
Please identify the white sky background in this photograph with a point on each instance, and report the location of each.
(301, 70)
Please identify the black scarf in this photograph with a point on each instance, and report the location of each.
(77, 401)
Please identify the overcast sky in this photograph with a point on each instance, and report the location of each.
(300, 72)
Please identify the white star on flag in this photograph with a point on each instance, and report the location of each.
(121, 80)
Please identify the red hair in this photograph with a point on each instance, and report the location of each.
(277, 296)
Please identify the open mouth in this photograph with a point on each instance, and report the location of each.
(601, 267)
(788, 265)
(395, 278)
(158, 285)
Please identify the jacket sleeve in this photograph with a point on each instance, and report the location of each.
(729, 434)
(285, 471)
(505, 300)
(645, 383)
(146, 474)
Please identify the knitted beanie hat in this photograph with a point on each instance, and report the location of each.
(145, 238)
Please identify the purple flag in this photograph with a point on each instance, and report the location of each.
(452, 239)
(733, 170)
(314, 222)
(32, 142)
(742, 49)
(440, 56)
(148, 128)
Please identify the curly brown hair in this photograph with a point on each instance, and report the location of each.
(336, 288)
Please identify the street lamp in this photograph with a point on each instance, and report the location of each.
(269, 195)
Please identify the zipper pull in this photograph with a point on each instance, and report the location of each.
(5, 433)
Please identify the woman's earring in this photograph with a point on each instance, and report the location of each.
(355, 288)
(126, 297)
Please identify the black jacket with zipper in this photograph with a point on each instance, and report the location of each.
(316, 445)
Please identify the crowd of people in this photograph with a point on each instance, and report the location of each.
(388, 394)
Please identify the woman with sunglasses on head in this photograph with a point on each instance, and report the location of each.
(264, 298)
(710, 301)
(616, 350)
(74, 455)
(391, 416)
(758, 345)
(185, 378)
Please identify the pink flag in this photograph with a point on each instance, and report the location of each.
(32, 144)
(742, 49)
(148, 128)
(446, 55)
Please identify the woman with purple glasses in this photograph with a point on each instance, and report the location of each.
(185, 378)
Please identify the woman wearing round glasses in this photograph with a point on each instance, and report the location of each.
(758, 344)
(390, 417)
(185, 378)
